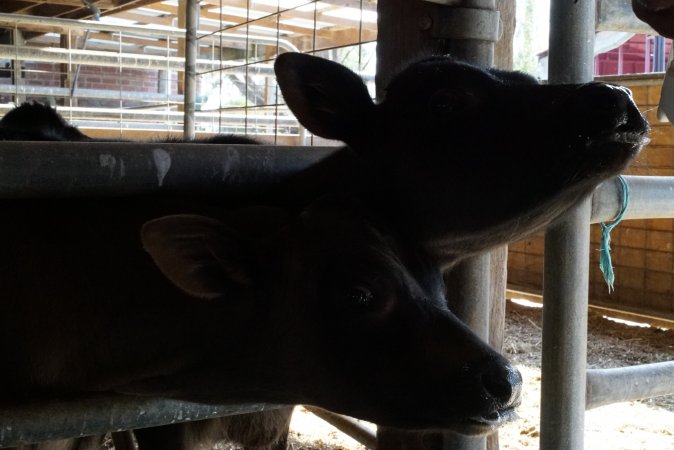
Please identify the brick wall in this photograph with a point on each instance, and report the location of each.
(93, 77)
(642, 250)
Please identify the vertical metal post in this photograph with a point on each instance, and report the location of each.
(566, 274)
(19, 42)
(658, 54)
(191, 51)
(474, 51)
(464, 29)
(469, 284)
(470, 280)
(647, 55)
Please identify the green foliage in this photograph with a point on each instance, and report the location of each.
(525, 58)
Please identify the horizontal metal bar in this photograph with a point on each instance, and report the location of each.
(650, 198)
(254, 116)
(107, 94)
(57, 24)
(347, 425)
(125, 60)
(34, 421)
(606, 386)
(29, 169)
(57, 169)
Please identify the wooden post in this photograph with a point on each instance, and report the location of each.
(503, 59)
(408, 28)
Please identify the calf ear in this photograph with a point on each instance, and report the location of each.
(327, 98)
(199, 255)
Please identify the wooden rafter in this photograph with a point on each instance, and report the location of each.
(70, 9)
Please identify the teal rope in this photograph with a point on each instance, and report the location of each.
(605, 247)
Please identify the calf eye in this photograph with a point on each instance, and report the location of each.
(359, 298)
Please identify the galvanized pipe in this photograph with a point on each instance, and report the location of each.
(28, 170)
(191, 52)
(31, 422)
(123, 60)
(468, 293)
(63, 25)
(571, 41)
(566, 271)
(566, 263)
(53, 91)
(347, 425)
(132, 116)
(470, 280)
(406, 29)
(650, 198)
(471, 31)
(607, 386)
(565, 303)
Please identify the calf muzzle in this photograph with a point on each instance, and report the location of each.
(607, 111)
(501, 386)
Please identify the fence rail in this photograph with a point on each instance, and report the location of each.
(61, 419)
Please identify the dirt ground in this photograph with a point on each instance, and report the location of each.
(647, 425)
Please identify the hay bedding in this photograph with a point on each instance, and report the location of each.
(640, 425)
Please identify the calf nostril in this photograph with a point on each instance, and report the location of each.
(502, 382)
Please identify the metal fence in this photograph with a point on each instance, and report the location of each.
(114, 76)
(565, 390)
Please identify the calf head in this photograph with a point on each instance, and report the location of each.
(463, 158)
(37, 122)
(348, 317)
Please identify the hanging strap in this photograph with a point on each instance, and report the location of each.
(605, 264)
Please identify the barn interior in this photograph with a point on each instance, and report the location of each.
(116, 70)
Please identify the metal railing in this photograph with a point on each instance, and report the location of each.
(564, 375)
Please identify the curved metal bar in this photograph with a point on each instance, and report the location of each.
(31, 422)
(623, 384)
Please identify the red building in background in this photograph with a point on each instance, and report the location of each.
(640, 54)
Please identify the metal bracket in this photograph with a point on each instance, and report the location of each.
(468, 23)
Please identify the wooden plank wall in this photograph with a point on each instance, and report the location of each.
(642, 250)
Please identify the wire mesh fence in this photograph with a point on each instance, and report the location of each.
(121, 76)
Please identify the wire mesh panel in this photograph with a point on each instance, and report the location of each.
(98, 76)
(240, 86)
(121, 75)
